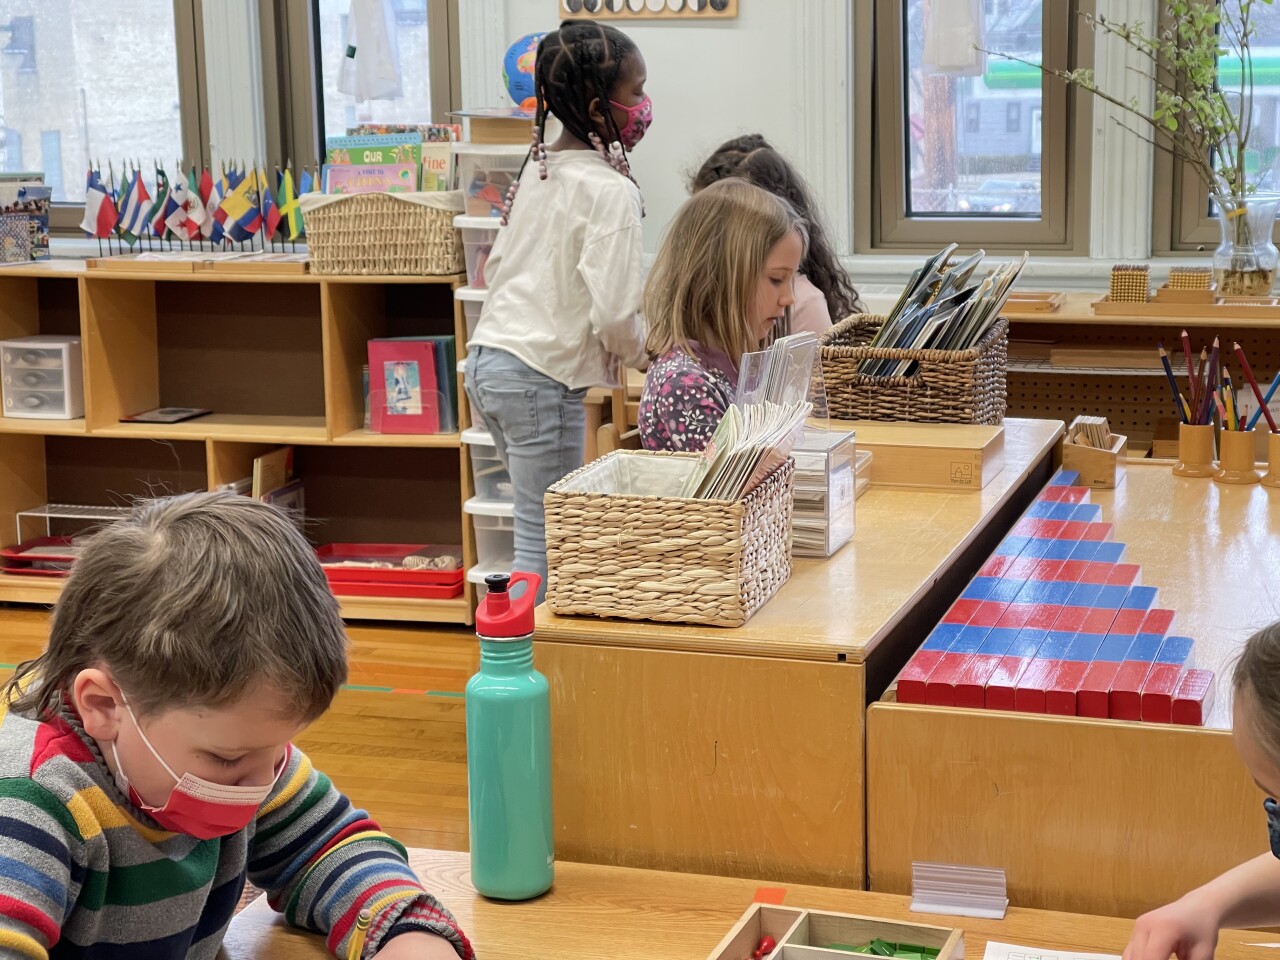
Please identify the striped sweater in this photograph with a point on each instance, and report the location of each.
(84, 874)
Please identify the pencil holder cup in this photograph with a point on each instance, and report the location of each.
(1272, 479)
(1237, 462)
(1195, 451)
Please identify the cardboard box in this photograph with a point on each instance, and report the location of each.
(948, 456)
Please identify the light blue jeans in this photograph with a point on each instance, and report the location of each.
(539, 428)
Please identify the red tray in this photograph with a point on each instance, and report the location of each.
(414, 591)
(393, 552)
(18, 560)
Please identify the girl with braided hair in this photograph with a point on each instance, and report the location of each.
(824, 294)
(565, 275)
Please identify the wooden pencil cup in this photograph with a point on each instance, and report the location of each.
(1272, 479)
(1195, 451)
(1237, 462)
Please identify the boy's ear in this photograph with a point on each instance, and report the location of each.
(99, 702)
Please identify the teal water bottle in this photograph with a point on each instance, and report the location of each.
(509, 749)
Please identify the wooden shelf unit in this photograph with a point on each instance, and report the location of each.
(279, 361)
(1133, 400)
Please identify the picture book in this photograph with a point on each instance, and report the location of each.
(374, 149)
(447, 381)
(437, 166)
(24, 220)
(382, 178)
(403, 392)
(431, 132)
(271, 471)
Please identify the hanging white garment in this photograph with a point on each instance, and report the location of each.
(953, 32)
(371, 62)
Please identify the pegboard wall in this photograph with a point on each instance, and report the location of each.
(649, 9)
(1132, 403)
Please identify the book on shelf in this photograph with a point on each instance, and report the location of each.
(24, 217)
(438, 167)
(403, 387)
(271, 471)
(430, 132)
(375, 178)
(374, 149)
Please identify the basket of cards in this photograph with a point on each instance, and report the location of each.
(384, 234)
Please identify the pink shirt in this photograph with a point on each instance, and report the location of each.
(809, 312)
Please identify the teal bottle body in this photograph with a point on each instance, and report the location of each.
(509, 772)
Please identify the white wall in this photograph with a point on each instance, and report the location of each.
(761, 72)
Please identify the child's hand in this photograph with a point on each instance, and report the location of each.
(1187, 928)
(418, 946)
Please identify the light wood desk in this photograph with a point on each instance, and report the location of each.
(611, 913)
(740, 751)
(1097, 815)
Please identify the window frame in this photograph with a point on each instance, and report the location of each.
(1066, 151)
(65, 218)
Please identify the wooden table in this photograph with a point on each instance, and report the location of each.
(1096, 816)
(740, 752)
(612, 913)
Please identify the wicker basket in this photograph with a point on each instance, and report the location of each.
(948, 386)
(669, 559)
(380, 234)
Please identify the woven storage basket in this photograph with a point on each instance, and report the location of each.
(667, 558)
(948, 386)
(381, 234)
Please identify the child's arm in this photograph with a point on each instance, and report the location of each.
(1244, 896)
(322, 862)
(39, 845)
(612, 267)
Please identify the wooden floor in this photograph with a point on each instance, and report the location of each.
(394, 740)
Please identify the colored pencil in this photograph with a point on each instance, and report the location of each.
(1211, 381)
(1222, 411)
(1229, 399)
(1173, 384)
(1191, 369)
(1271, 391)
(1253, 385)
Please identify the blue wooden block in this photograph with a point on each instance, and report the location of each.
(1085, 647)
(1175, 650)
(1085, 595)
(1006, 591)
(1045, 549)
(1065, 478)
(1109, 551)
(1055, 645)
(1114, 649)
(1111, 598)
(969, 639)
(1086, 550)
(942, 636)
(998, 641)
(1084, 512)
(1027, 643)
(979, 588)
(1049, 592)
(1012, 546)
(1145, 647)
(1049, 510)
(1140, 598)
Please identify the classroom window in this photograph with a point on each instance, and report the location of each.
(942, 165)
(1184, 214)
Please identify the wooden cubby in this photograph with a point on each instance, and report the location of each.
(278, 360)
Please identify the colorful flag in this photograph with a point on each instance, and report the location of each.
(156, 215)
(270, 212)
(214, 227)
(134, 208)
(244, 216)
(196, 214)
(176, 210)
(290, 211)
(100, 213)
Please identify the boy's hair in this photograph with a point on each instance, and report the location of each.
(1258, 672)
(753, 159)
(192, 601)
(703, 283)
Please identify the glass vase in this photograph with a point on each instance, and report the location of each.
(1244, 265)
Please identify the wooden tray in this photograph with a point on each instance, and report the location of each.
(1242, 308)
(811, 933)
(1033, 301)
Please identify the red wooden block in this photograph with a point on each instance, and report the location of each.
(1125, 700)
(987, 613)
(1029, 695)
(996, 565)
(1003, 681)
(1193, 699)
(971, 683)
(961, 611)
(1157, 692)
(1046, 570)
(1044, 616)
(1071, 618)
(914, 676)
(1065, 494)
(1092, 699)
(1095, 572)
(1017, 614)
(1127, 622)
(1060, 697)
(1072, 570)
(1098, 621)
(1157, 621)
(1038, 527)
(1098, 531)
(940, 688)
(1125, 575)
(1073, 530)
(1022, 568)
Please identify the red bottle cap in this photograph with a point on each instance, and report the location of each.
(501, 616)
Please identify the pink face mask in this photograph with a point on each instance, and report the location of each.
(196, 807)
(639, 118)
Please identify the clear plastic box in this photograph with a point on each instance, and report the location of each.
(495, 548)
(472, 303)
(485, 171)
(492, 482)
(825, 491)
(43, 378)
(478, 235)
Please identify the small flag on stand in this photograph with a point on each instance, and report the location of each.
(156, 215)
(100, 215)
(134, 206)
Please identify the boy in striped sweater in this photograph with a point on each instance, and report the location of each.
(146, 765)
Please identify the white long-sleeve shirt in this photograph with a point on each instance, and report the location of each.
(566, 273)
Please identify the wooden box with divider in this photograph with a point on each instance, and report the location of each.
(791, 933)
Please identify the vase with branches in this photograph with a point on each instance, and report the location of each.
(1203, 116)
